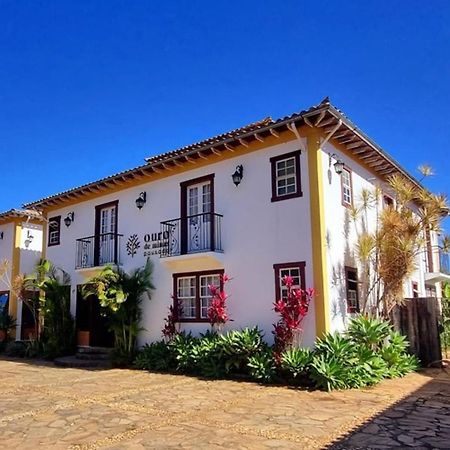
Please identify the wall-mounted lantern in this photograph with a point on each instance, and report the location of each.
(238, 175)
(338, 165)
(29, 239)
(1, 235)
(141, 200)
(69, 219)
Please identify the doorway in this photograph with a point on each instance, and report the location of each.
(92, 322)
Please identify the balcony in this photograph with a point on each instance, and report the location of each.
(444, 262)
(441, 273)
(97, 250)
(199, 233)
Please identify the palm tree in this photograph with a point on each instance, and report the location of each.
(121, 294)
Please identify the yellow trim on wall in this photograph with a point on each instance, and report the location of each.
(318, 234)
(15, 266)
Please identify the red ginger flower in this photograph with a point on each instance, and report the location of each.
(292, 310)
(217, 311)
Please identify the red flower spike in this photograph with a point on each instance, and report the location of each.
(292, 310)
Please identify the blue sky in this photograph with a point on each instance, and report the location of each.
(89, 88)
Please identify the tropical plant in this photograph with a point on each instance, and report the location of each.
(240, 345)
(296, 361)
(354, 360)
(292, 310)
(50, 302)
(207, 356)
(395, 354)
(181, 347)
(329, 373)
(7, 324)
(155, 356)
(370, 332)
(387, 255)
(335, 345)
(171, 322)
(121, 295)
(218, 310)
(338, 361)
(262, 366)
(16, 349)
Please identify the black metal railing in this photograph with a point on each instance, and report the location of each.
(97, 250)
(192, 234)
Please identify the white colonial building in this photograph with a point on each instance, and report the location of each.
(256, 203)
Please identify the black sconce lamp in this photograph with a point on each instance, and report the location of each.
(69, 218)
(141, 200)
(1, 235)
(338, 165)
(238, 175)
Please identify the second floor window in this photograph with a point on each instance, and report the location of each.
(286, 182)
(346, 187)
(388, 202)
(54, 231)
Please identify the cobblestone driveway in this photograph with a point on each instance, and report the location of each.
(51, 408)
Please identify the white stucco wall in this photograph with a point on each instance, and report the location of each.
(256, 234)
(30, 246)
(6, 251)
(342, 236)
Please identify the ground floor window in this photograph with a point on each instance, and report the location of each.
(430, 291)
(193, 294)
(351, 282)
(296, 270)
(4, 302)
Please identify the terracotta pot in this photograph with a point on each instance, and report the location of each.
(83, 338)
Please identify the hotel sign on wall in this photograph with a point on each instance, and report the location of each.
(153, 243)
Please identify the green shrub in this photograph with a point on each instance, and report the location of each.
(207, 356)
(7, 325)
(16, 349)
(239, 346)
(395, 355)
(181, 347)
(262, 366)
(155, 356)
(367, 353)
(35, 349)
(296, 362)
(329, 372)
(335, 345)
(368, 331)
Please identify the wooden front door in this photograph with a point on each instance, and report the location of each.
(92, 322)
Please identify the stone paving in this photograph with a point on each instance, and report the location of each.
(42, 406)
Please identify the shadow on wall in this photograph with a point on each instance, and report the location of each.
(339, 303)
(421, 420)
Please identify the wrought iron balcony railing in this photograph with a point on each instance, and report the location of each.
(97, 250)
(192, 234)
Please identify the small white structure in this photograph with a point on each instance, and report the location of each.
(21, 242)
(258, 203)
